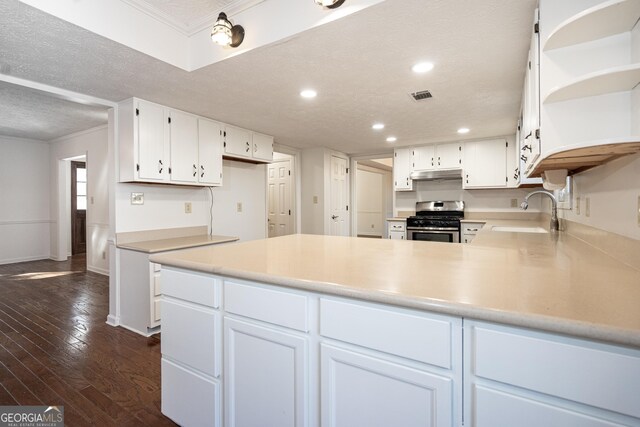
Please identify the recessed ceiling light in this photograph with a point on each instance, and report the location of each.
(377, 126)
(463, 130)
(422, 67)
(308, 93)
(392, 139)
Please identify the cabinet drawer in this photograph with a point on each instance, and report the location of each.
(192, 336)
(201, 408)
(471, 228)
(269, 305)
(602, 376)
(402, 333)
(397, 226)
(194, 287)
(498, 409)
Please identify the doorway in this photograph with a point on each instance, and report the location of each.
(373, 197)
(280, 206)
(78, 207)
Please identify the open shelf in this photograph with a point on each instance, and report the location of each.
(618, 79)
(580, 157)
(606, 19)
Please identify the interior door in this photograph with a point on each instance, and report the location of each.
(279, 191)
(78, 208)
(339, 204)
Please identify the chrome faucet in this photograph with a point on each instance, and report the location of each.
(555, 224)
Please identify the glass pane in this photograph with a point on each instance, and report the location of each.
(81, 203)
(81, 175)
(81, 188)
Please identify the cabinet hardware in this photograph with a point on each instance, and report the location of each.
(523, 158)
(536, 28)
(137, 111)
(160, 166)
(248, 146)
(334, 217)
(137, 167)
(528, 136)
(289, 211)
(224, 144)
(169, 120)
(195, 170)
(438, 161)
(537, 133)
(169, 171)
(225, 133)
(526, 147)
(255, 147)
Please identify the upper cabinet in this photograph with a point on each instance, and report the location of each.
(243, 144)
(589, 75)
(437, 156)
(402, 168)
(158, 144)
(485, 164)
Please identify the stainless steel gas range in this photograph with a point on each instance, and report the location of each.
(437, 221)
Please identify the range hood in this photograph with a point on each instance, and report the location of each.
(436, 175)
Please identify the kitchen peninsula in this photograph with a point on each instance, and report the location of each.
(349, 331)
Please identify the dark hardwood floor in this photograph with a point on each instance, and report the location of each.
(56, 349)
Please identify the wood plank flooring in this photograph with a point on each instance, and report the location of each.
(56, 349)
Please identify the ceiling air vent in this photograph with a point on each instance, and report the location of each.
(419, 96)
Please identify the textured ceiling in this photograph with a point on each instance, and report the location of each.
(27, 113)
(360, 65)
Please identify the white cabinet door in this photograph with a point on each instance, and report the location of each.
(485, 164)
(402, 166)
(183, 131)
(152, 164)
(265, 376)
(209, 152)
(424, 158)
(262, 147)
(237, 142)
(360, 390)
(448, 156)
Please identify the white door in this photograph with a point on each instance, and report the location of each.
(151, 141)
(424, 158)
(402, 161)
(359, 390)
(262, 147)
(279, 193)
(339, 203)
(265, 376)
(209, 152)
(183, 131)
(485, 164)
(448, 156)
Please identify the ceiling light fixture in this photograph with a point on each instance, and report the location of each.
(422, 67)
(308, 93)
(463, 130)
(330, 4)
(377, 126)
(225, 33)
(392, 139)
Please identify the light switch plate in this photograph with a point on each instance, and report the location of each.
(137, 198)
(514, 203)
(239, 207)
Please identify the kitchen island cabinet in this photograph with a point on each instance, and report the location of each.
(340, 318)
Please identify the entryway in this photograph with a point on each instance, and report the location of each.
(78, 207)
(374, 196)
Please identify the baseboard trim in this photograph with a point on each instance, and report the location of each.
(113, 320)
(24, 259)
(98, 270)
(144, 334)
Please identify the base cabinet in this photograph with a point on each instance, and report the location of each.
(360, 390)
(265, 376)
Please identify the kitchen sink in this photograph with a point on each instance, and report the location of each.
(519, 229)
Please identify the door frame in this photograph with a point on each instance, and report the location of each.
(75, 165)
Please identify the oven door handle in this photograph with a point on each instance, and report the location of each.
(432, 230)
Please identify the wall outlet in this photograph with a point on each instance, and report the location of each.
(137, 198)
(514, 203)
(577, 205)
(587, 207)
(315, 200)
(239, 207)
(187, 207)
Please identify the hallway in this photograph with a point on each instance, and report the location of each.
(56, 349)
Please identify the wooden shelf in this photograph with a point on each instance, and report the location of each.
(606, 19)
(618, 79)
(580, 157)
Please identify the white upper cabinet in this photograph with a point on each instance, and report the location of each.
(448, 156)
(424, 158)
(262, 147)
(437, 156)
(210, 152)
(243, 144)
(485, 164)
(149, 142)
(183, 131)
(402, 167)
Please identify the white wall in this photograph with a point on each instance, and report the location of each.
(94, 144)
(24, 200)
(242, 183)
(613, 190)
(497, 200)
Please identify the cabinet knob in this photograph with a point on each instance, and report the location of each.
(248, 146)
(202, 171)
(195, 170)
(255, 147)
(523, 158)
(160, 166)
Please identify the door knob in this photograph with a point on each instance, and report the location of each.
(334, 216)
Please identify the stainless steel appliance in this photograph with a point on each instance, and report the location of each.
(437, 221)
